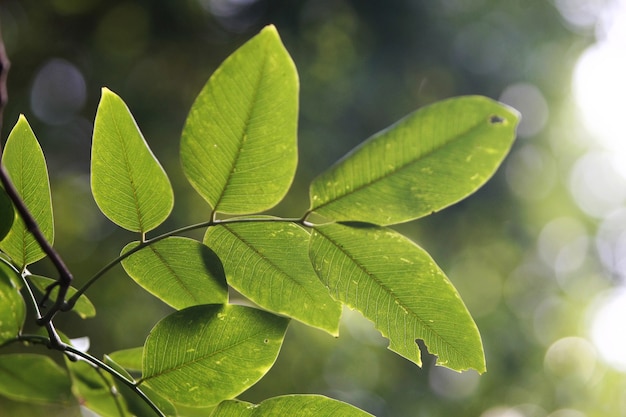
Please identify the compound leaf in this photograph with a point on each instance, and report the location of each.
(427, 161)
(204, 354)
(289, 405)
(12, 307)
(238, 147)
(396, 284)
(26, 165)
(268, 263)
(33, 378)
(180, 271)
(127, 182)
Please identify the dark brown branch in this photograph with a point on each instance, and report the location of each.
(65, 276)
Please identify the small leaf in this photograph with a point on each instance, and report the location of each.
(289, 405)
(268, 263)
(205, 354)
(136, 405)
(83, 307)
(33, 378)
(7, 214)
(127, 182)
(12, 306)
(238, 147)
(396, 284)
(180, 271)
(26, 165)
(427, 161)
(129, 359)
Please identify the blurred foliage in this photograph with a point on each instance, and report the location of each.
(518, 250)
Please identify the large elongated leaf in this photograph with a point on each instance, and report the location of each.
(128, 183)
(12, 307)
(180, 271)
(33, 378)
(427, 161)
(289, 405)
(26, 165)
(238, 147)
(7, 214)
(204, 354)
(268, 263)
(396, 284)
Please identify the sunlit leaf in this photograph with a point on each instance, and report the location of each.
(289, 405)
(33, 378)
(26, 165)
(427, 161)
(7, 214)
(128, 183)
(83, 307)
(12, 307)
(238, 147)
(93, 389)
(180, 271)
(396, 284)
(129, 359)
(205, 354)
(268, 263)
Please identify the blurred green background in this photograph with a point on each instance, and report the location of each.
(537, 254)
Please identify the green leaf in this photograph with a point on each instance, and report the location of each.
(92, 388)
(26, 165)
(268, 263)
(128, 183)
(33, 378)
(396, 284)
(12, 307)
(136, 405)
(7, 214)
(180, 271)
(289, 405)
(205, 354)
(83, 307)
(239, 144)
(427, 161)
(129, 359)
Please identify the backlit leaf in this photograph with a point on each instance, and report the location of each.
(26, 165)
(12, 307)
(129, 359)
(268, 263)
(33, 378)
(204, 354)
(180, 271)
(127, 182)
(289, 405)
(427, 161)
(238, 147)
(83, 307)
(396, 284)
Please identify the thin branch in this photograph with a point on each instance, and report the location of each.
(65, 276)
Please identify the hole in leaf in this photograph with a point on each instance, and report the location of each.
(495, 119)
(266, 341)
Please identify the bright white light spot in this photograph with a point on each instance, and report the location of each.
(529, 101)
(502, 412)
(571, 359)
(607, 328)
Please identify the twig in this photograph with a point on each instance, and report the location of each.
(65, 276)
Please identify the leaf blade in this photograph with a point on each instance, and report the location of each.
(128, 183)
(83, 307)
(7, 214)
(238, 147)
(427, 161)
(25, 162)
(12, 306)
(184, 364)
(289, 405)
(181, 272)
(396, 284)
(268, 263)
